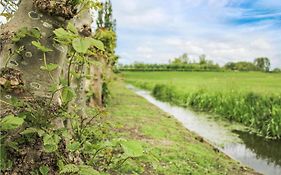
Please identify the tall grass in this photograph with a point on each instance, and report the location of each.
(261, 112)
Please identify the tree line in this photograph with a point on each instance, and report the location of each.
(185, 63)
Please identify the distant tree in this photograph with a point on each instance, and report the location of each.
(108, 21)
(241, 66)
(210, 62)
(202, 59)
(262, 63)
(230, 66)
(277, 70)
(176, 61)
(100, 20)
(105, 17)
(184, 58)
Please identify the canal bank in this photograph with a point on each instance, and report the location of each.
(177, 150)
(231, 138)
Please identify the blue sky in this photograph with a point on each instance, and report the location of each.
(154, 31)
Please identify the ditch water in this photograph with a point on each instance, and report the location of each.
(260, 154)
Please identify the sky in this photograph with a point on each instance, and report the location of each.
(155, 31)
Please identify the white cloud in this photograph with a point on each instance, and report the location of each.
(156, 31)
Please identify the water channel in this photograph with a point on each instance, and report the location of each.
(262, 155)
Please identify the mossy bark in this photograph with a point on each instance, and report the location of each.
(36, 81)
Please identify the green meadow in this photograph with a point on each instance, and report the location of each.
(170, 148)
(251, 98)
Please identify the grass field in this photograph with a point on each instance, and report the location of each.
(175, 150)
(258, 82)
(252, 98)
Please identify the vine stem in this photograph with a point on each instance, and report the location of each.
(53, 95)
(46, 66)
(69, 67)
(8, 60)
(122, 162)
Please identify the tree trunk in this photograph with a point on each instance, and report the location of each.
(96, 85)
(35, 80)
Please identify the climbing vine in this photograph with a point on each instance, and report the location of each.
(55, 133)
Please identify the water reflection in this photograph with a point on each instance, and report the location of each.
(265, 149)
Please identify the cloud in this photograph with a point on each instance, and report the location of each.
(224, 30)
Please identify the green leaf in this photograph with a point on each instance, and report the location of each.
(44, 170)
(72, 147)
(88, 148)
(97, 43)
(40, 132)
(35, 32)
(81, 45)
(53, 88)
(39, 46)
(51, 142)
(70, 168)
(67, 95)
(132, 148)
(72, 28)
(60, 164)
(13, 145)
(64, 36)
(61, 33)
(63, 81)
(24, 32)
(10, 122)
(87, 170)
(66, 133)
(20, 34)
(3, 157)
(49, 67)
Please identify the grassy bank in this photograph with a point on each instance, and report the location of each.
(172, 149)
(252, 98)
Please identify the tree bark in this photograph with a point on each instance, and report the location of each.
(36, 81)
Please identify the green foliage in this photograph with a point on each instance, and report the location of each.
(184, 63)
(64, 37)
(97, 43)
(262, 63)
(80, 170)
(81, 45)
(49, 67)
(217, 94)
(105, 93)
(176, 66)
(40, 47)
(87, 170)
(69, 168)
(241, 66)
(25, 32)
(44, 170)
(37, 116)
(67, 95)
(105, 17)
(40, 132)
(132, 149)
(276, 70)
(72, 147)
(70, 27)
(51, 142)
(10, 122)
